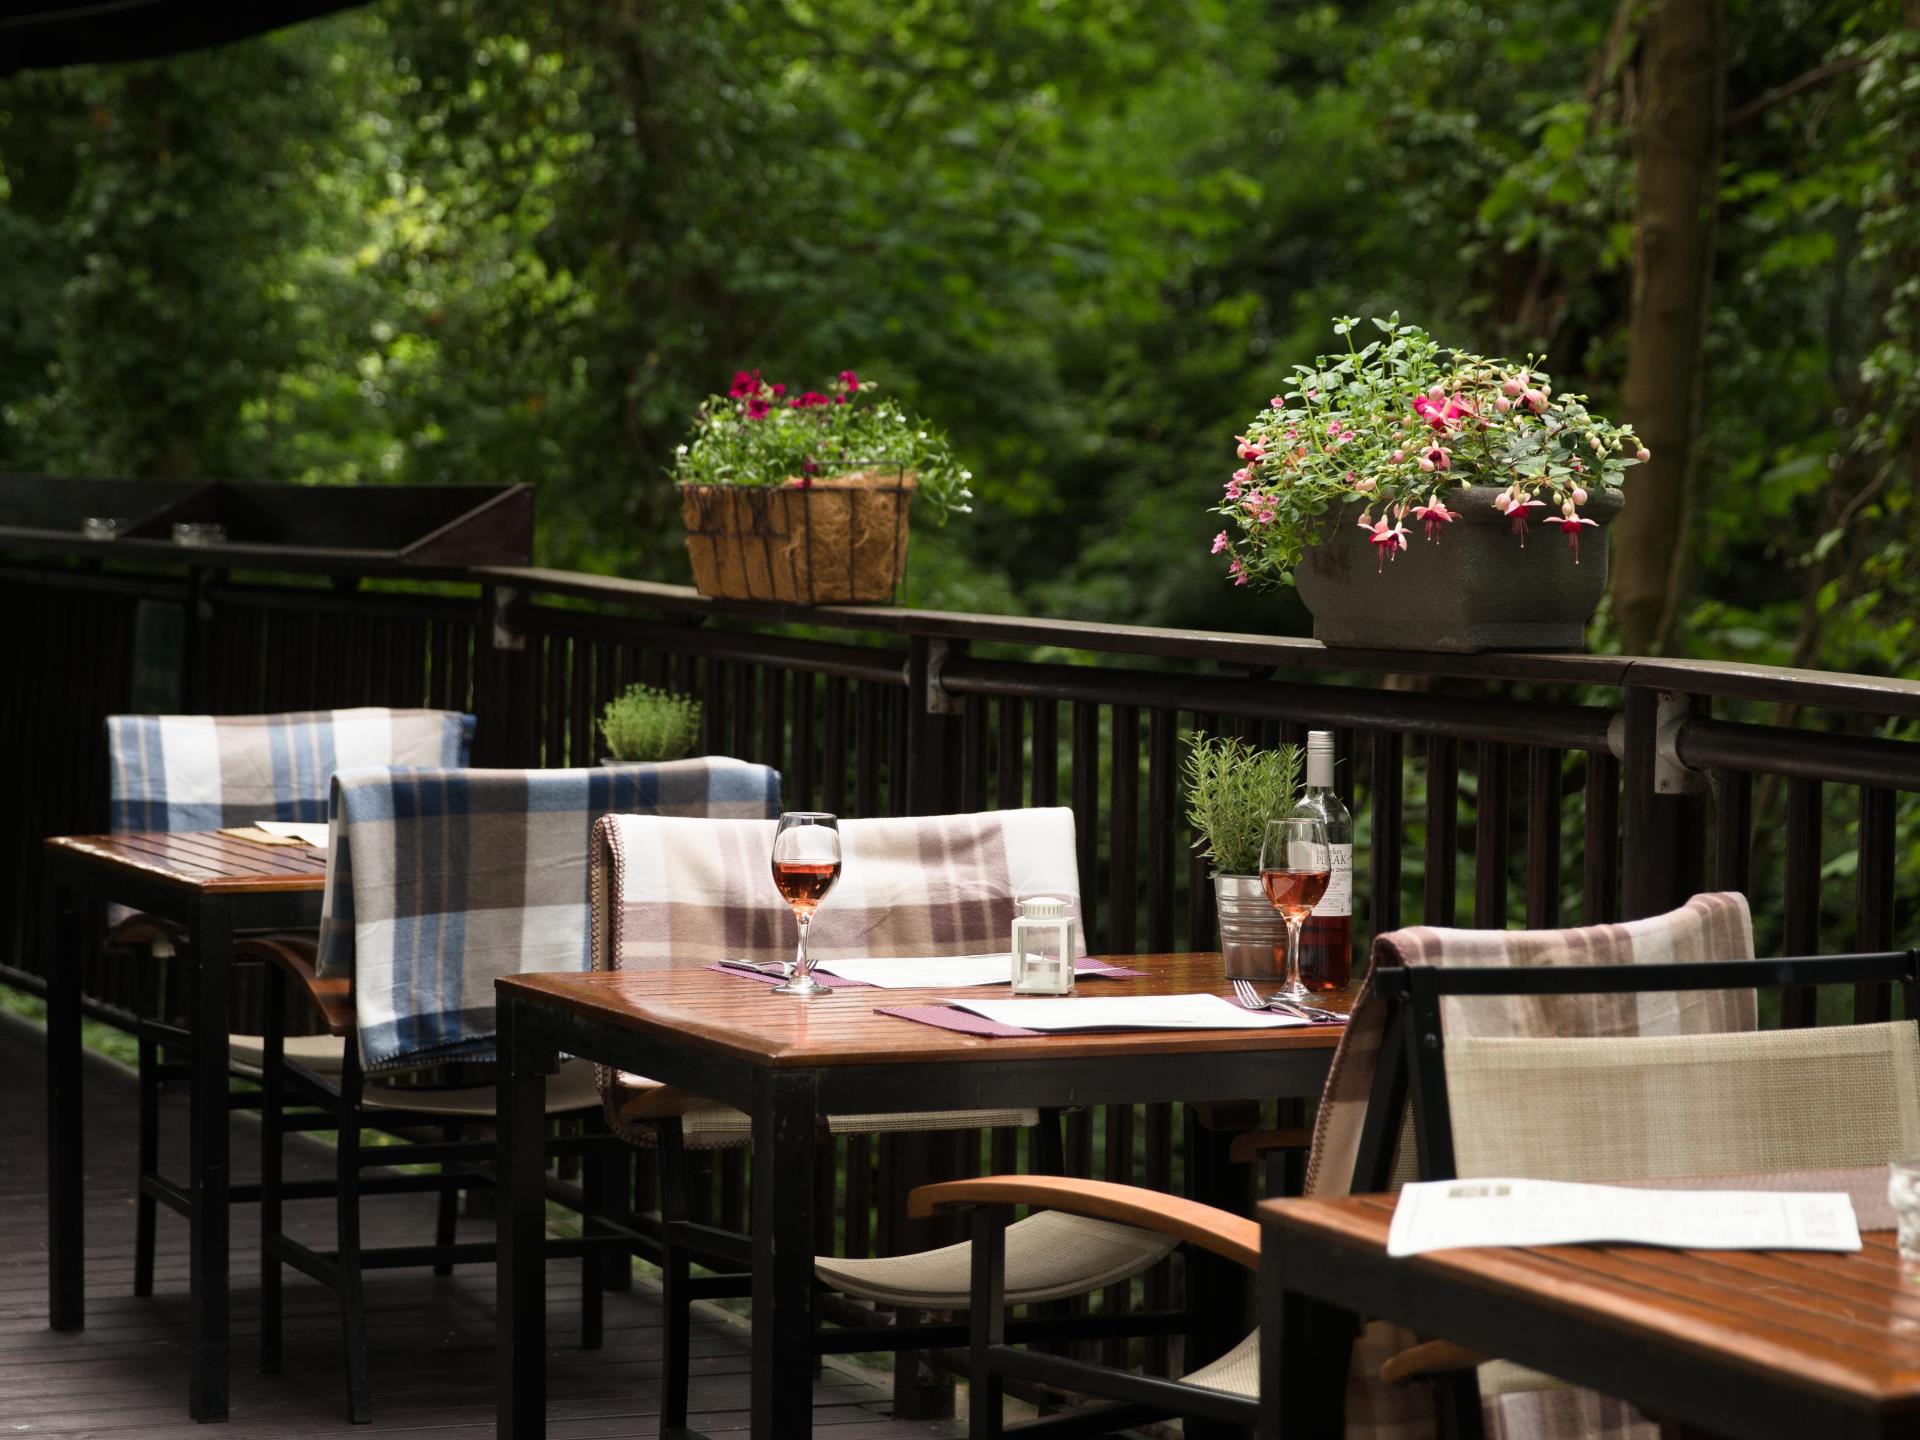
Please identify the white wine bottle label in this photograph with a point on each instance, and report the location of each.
(1339, 897)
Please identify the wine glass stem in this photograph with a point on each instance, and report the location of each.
(1292, 979)
(802, 963)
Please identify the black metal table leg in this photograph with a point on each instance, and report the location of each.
(521, 1274)
(1217, 1299)
(785, 1111)
(211, 921)
(66, 1175)
(1305, 1347)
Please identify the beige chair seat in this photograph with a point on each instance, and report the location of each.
(572, 1088)
(1050, 1256)
(711, 1125)
(323, 1054)
(1237, 1372)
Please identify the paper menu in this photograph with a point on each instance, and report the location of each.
(1453, 1214)
(308, 832)
(1127, 1012)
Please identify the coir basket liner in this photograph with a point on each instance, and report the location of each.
(839, 541)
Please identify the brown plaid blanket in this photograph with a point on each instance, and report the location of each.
(1707, 928)
(671, 893)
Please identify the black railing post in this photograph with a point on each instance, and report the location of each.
(1662, 850)
(504, 695)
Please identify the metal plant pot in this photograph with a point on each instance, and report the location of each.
(1475, 588)
(1253, 937)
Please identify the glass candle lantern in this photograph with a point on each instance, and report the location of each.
(1043, 948)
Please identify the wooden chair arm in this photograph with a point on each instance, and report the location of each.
(1232, 1237)
(295, 955)
(1258, 1142)
(1426, 1360)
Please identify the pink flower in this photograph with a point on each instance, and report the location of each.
(1365, 522)
(1233, 488)
(1219, 542)
(1364, 484)
(1534, 400)
(1243, 476)
(1239, 572)
(1397, 456)
(1388, 538)
(1517, 513)
(1570, 524)
(849, 379)
(1433, 515)
(1579, 493)
(800, 482)
(1250, 450)
(1643, 454)
(745, 382)
(1441, 457)
(778, 391)
(1514, 386)
(808, 400)
(1278, 402)
(1426, 465)
(1440, 410)
(758, 408)
(1502, 404)
(809, 466)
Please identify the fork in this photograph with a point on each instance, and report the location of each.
(1249, 998)
(780, 969)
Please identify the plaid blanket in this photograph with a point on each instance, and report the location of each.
(202, 772)
(1707, 928)
(673, 893)
(440, 881)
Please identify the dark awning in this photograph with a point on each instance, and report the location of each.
(43, 34)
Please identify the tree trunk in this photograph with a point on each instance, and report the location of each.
(1676, 131)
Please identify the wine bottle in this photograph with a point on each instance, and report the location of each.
(1326, 940)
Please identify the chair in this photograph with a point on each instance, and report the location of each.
(208, 772)
(440, 881)
(1363, 1138)
(671, 893)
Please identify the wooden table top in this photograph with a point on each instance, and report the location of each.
(1844, 1325)
(744, 1018)
(203, 860)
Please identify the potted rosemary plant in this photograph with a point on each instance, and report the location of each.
(646, 724)
(802, 497)
(1233, 789)
(1478, 455)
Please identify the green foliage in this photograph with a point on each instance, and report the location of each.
(1233, 789)
(1392, 423)
(646, 724)
(762, 433)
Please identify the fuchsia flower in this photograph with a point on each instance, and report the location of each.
(1570, 524)
(1516, 511)
(1433, 515)
(1249, 449)
(1436, 457)
(1441, 410)
(1219, 542)
(1388, 537)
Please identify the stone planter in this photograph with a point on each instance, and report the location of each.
(1253, 936)
(1475, 588)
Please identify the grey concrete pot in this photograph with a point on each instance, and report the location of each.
(1475, 588)
(1253, 936)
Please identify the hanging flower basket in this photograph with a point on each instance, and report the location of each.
(835, 541)
(803, 499)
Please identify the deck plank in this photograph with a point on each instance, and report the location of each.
(432, 1339)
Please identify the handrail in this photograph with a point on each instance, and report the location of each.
(1866, 694)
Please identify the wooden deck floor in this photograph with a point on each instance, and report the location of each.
(432, 1339)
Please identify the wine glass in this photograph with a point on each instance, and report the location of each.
(806, 862)
(1296, 862)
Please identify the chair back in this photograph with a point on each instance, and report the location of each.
(1671, 1106)
(1363, 1135)
(671, 893)
(441, 881)
(205, 772)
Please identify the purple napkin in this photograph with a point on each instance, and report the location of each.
(1092, 969)
(946, 1017)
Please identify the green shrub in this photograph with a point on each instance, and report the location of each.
(1233, 789)
(650, 724)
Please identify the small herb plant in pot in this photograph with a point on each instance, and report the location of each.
(646, 725)
(802, 496)
(1405, 489)
(1233, 789)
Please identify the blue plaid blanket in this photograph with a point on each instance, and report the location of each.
(204, 772)
(441, 881)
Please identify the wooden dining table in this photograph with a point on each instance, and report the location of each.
(1762, 1345)
(216, 886)
(789, 1062)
